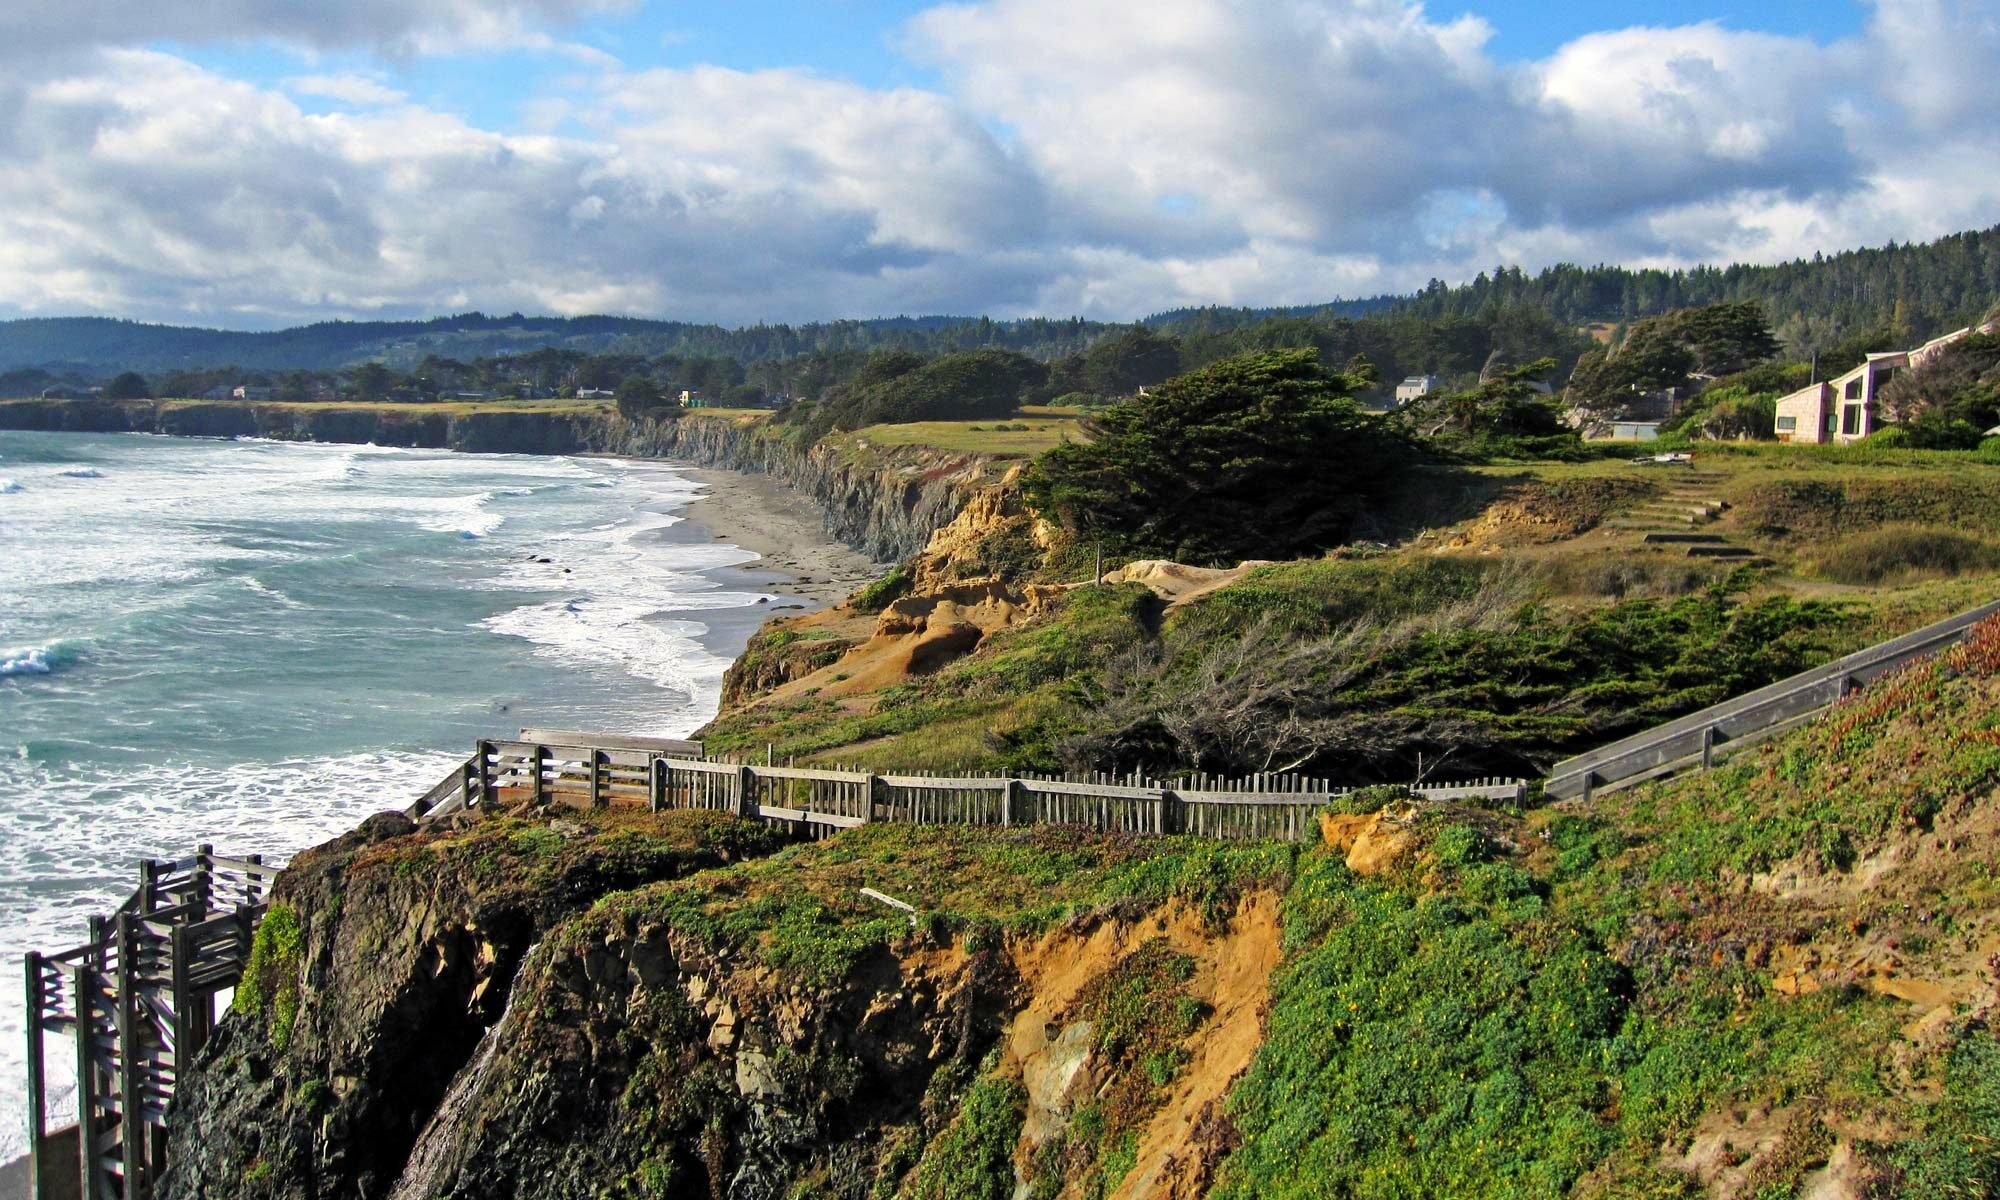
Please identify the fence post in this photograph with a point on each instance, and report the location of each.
(149, 885)
(467, 778)
(187, 1033)
(746, 792)
(38, 1110)
(1008, 800)
(485, 752)
(131, 1122)
(657, 785)
(599, 761)
(535, 761)
(871, 785)
(204, 878)
(84, 986)
(1708, 747)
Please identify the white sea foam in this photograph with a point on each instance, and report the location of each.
(81, 473)
(8, 487)
(262, 589)
(468, 517)
(35, 660)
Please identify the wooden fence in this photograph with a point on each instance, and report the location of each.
(139, 1000)
(1700, 740)
(604, 772)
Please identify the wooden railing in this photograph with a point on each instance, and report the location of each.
(600, 772)
(138, 999)
(1700, 740)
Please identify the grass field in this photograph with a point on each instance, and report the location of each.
(973, 437)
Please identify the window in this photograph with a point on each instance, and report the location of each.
(1788, 424)
(1854, 387)
(1850, 419)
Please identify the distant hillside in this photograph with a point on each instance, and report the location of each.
(103, 345)
(1914, 289)
(1918, 289)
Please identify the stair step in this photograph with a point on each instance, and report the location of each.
(1708, 539)
(1720, 552)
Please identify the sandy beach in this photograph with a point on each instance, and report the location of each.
(767, 518)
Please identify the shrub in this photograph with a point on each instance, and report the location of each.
(1959, 1154)
(883, 592)
(1989, 450)
(1902, 552)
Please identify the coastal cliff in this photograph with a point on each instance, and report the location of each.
(885, 503)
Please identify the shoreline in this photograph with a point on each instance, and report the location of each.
(783, 528)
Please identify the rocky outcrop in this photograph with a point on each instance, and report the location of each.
(387, 955)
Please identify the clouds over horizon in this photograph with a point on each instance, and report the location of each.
(1079, 158)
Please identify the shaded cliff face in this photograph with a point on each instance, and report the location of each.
(1063, 1007)
(885, 505)
(386, 955)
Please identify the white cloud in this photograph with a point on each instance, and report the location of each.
(397, 27)
(357, 90)
(1083, 156)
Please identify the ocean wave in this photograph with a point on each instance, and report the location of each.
(467, 517)
(262, 589)
(8, 487)
(81, 473)
(636, 638)
(36, 660)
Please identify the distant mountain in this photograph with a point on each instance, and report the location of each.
(105, 345)
(1913, 289)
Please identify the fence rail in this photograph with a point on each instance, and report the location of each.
(138, 999)
(1701, 739)
(597, 773)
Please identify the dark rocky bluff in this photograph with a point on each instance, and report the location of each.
(386, 956)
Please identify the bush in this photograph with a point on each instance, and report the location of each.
(882, 593)
(1896, 553)
(1989, 450)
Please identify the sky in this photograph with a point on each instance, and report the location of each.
(258, 163)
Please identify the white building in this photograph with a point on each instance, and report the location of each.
(1843, 409)
(1416, 387)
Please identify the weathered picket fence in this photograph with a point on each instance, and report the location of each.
(593, 771)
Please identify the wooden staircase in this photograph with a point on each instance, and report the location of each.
(139, 1000)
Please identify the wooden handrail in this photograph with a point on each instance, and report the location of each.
(1699, 738)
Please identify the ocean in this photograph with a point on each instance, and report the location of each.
(257, 644)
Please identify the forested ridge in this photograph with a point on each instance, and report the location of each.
(1812, 304)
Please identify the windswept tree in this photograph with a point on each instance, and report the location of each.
(639, 397)
(129, 385)
(1125, 362)
(1263, 455)
(1665, 352)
